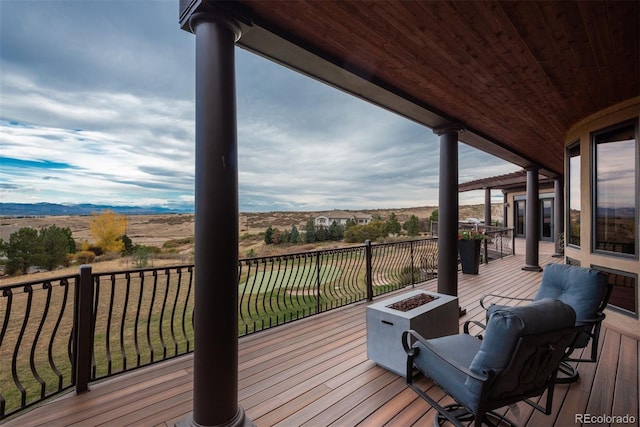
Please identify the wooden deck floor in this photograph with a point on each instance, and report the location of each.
(315, 372)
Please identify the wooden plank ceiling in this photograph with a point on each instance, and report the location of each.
(516, 74)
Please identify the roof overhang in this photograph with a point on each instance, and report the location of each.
(516, 181)
(514, 76)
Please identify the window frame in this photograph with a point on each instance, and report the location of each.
(567, 229)
(634, 276)
(594, 190)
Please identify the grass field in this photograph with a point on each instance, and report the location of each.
(293, 279)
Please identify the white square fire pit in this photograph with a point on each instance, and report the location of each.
(385, 326)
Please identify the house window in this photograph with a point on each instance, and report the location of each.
(546, 217)
(571, 261)
(573, 195)
(519, 217)
(615, 190)
(624, 295)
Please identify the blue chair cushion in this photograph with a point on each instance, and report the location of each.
(507, 324)
(582, 288)
(461, 349)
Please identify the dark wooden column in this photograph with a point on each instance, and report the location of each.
(487, 206)
(532, 221)
(448, 211)
(558, 215)
(505, 210)
(215, 360)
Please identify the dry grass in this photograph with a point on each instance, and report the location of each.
(137, 320)
(177, 232)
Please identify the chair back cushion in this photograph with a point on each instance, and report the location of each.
(507, 324)
(582, 288)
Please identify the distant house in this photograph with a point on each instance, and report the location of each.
(341, 217)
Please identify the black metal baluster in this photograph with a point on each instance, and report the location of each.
(161, 324)
(125, 306)
(318, 291)
(368, 255)
(324, 281)
(286, 278)
(297, 290)
(241, 303)
(7, 293)
(14, 359)
(96, 304)
(32, 354)
(149, 317)
(348, 275)
(344, 276)
(253, 299)
(64, 283)
(108, 332)
(184, 311)
(377, 267)
(135, 324)
(173, 312)
(264, 288)
(413, 277)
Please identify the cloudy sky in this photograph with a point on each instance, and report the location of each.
(97, 106)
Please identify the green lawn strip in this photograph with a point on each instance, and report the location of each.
(292, 278)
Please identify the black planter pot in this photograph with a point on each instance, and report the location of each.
(469, 255)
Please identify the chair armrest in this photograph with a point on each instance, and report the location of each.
(599, 318)
(475, 322)
(412, 351)
(501, 297)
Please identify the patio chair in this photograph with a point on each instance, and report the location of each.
(587, 291)
(517, 359)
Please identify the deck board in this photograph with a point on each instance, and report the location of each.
(315, 372)
(601, 397)
(627, 378)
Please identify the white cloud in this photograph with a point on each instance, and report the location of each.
(97, 106)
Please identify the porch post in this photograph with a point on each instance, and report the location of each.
(487, 206)
(215, 360)
(448, 211)
(558, 215)
(505, 210)
(532, 221)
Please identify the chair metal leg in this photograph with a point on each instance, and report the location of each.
(463, 415)
(567, 374)
(459, 412)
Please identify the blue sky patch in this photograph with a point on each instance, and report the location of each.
(34, 164)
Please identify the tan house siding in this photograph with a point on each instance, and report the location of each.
(582, 133)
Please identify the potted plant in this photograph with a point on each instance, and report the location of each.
(469, 242)
(559, 246)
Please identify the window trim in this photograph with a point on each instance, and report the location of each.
(594, 183)
(572, 261)
(567, 228)
(635, 290)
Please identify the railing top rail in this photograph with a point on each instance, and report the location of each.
(143, 270)
(39, 281)
(402, 242)
(494, 228)
(296, 255)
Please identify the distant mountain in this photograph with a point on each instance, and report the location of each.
(53, 209)
(623, 212)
